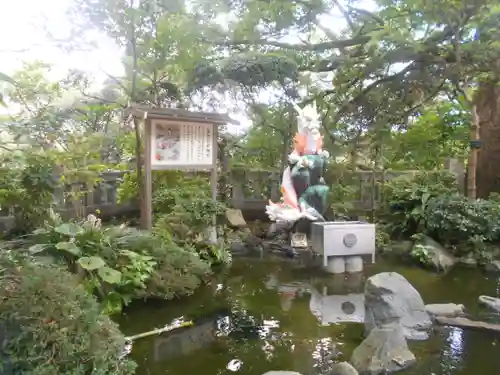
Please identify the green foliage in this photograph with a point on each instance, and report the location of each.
(382, 238)
(187, 224)
(103, 256)
(429, 203)
(462, 224)
(252, 69)
(184, 211)
(268, 140)
(117, 264)
(405, 199)
(342, 198)
(194, 193)
(344, 188)
(27, 184)
(421, 254)
(179, 271)
(29, 179)
(439, 132)
(51, 325)
(168, 186)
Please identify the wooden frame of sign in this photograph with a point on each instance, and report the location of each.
(177, 139)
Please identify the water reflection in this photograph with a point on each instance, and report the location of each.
(349, 308)
(273, 317)
(328, 308)
(185, 340)
(454, 350)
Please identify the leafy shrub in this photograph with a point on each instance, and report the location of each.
(421, 254)
(51, 325)
(117, 263)
(179, 272)
(27, 184)
(406, 197)
(344, 188)
(168, 188)
(184, 210)
(187, 226)
(382, 238)
(462, 224)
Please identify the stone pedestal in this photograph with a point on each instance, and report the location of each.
(336, 265)
(353, 264)
(340, 264)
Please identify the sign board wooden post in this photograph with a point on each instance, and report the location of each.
(178, 139)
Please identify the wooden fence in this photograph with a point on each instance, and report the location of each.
(251, 190)
(101, 199)
(248, 190)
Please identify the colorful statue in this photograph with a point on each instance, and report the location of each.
(304, 192)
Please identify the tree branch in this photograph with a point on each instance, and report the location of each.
(334, 44)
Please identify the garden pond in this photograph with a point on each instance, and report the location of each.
(275, 314)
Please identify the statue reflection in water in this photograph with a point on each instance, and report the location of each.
(340, 303)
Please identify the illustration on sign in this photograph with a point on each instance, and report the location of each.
(182, 144)
(168, 142)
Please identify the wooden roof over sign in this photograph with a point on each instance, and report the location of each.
(182, 115)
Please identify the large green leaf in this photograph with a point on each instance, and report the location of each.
(70, 247)
(91, 263)
(109, 275)
(69, 229)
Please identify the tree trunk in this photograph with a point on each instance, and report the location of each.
(137, 124)
(487, 104)
(472, 162)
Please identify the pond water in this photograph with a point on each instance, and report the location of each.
(279, 315)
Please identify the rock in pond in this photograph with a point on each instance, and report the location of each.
(445, 309)
(390, 298)
(282, 373)
(342, 368)
(468, 261)
(494, 266)
(440, 258)
(491, 302)
(384, 351)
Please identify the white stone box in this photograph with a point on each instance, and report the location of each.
(343, 239)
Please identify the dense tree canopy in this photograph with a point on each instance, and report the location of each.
(388, 76)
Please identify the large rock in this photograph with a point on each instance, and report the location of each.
(384, 351)
(390, 298)
(343, 368)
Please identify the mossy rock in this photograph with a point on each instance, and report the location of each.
(51, 325)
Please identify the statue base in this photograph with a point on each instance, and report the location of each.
(298, 240)
(340, 264)
(302, 226)
(342, 244)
